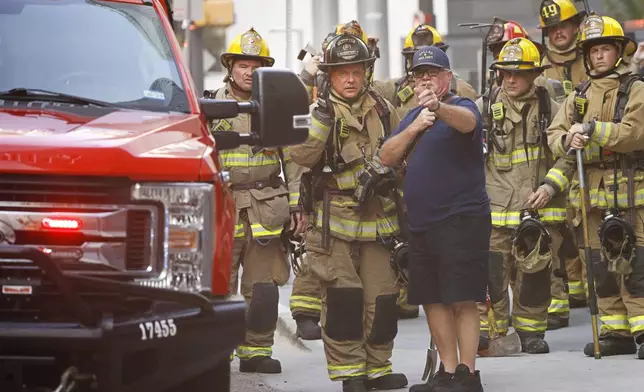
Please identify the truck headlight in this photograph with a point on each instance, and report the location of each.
(189, 234)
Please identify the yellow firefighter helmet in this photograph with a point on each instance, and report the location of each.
(248, 45)
(554, 12)
(602, 28)
(519, 54)
(423, 35)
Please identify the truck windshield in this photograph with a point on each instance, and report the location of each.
(107, 51)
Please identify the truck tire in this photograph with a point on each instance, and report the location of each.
(216, 379)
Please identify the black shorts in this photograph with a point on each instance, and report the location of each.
(448, 262)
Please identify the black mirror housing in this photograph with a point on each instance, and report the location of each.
(279, 109)
(282, 117)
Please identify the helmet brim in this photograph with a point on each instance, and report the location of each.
(325, 67)
(513, 66)
(228, 58)
(630, 46)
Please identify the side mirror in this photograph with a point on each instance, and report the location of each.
(278, 107)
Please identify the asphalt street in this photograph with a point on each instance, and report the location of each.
(565, 368)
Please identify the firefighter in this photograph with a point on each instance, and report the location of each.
(264, 205)
(508, 30)
(559, 21)
(526, 189)
(605, 117)
(353, 219)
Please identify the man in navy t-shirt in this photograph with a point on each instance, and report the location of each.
(448, 213)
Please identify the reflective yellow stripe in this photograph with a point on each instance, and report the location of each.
(318, 130)
(575, 287)
(516, 157)
(601, 199)
(385, 226)
(637, 324)
(559, 306)
(239, 230)
(529, 325)
(248, 352)
(260, 231)
(602, 132)
(348, 179)
(558, 177)
(615, 323)
(301, 301)
(241, 159)
(512, 218)
(379, 372)
(293, 199)
(346, 371)
(502, 326)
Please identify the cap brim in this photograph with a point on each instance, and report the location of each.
(428, 64)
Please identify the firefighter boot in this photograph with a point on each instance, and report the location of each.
(612, 345)
(441, 381)
(576, 303)
(387, 382)
(354, 384)
(556, 321)
(262, 364)
(533, 343)
(308, 327)
(640, 352)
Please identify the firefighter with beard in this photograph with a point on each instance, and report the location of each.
(400, 92)
(605, 118)
(353, 220)
(559, 22)
(507, 30)
(526, 189)
(265, 204)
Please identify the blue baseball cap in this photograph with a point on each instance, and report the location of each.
(430, 56)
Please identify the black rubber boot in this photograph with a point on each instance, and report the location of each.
(387, 382)
(408, 313)
(612, 345)
(308, 328)
(465, 381)
(441, 381)
(576, 303)
(265, 365)
(354, 385)
(556, 321)
(640, 352)
(533, 343)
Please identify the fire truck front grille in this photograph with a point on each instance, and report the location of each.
(63, 189)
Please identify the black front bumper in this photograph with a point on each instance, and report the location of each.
(180, 336)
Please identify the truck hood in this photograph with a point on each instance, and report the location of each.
(141, 145)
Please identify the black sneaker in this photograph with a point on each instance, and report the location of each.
(387, 382)
(265, 365)
(441, 382)
(465, 381)
(354, 385)
(612, 346)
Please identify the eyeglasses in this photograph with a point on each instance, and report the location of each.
(431, 71)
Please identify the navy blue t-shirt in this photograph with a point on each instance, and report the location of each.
(446, 172)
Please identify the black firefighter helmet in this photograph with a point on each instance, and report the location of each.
(617, 239)
(346, 49)
(531, 243)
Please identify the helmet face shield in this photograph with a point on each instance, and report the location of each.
(531, 244)
(617, 244)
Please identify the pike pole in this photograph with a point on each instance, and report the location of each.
(592, 300)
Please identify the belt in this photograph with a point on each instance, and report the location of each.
(272, 182)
